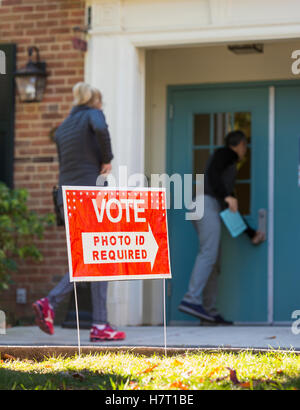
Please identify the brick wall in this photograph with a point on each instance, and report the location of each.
(48, 25)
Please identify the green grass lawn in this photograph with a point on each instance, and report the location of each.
(222, 371)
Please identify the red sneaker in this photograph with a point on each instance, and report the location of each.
(44, 315)
(105, 334)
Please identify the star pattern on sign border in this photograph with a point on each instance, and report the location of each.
(153, 200)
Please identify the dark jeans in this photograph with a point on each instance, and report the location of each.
(98, 290)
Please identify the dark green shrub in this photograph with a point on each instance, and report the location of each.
(19, 229)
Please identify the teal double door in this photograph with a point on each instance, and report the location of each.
(257, 284)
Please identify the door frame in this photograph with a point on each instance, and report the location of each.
(9, 122)
(171, 89)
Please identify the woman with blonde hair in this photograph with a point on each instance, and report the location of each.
(84, 94)
(84, 152)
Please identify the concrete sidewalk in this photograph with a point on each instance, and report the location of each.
(258, 337)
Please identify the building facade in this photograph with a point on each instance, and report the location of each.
(174, 80)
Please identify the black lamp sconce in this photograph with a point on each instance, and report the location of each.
(31, 80)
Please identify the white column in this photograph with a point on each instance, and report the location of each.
(116, 67)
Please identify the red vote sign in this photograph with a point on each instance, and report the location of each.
(116, 234)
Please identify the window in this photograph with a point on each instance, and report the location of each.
(210, 130)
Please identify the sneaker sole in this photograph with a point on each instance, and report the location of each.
(39, 319)
(104, 339)
(192, 312)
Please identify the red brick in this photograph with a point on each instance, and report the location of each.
(49, 151)
(57, 15)
(11, 2)
(6, 34)
(20, 125)
(38, 40)
(26, 25)
(13, 17)
(68, 5)
(36, 32)
(63, 90)
(6, 26)
(35, 16)
(55, 81)
(22, 9)
(74, 80)
(55, 64)
(61, 30)
(69, 55)
(28, 117)
(49, 23)
(55, 47)
(46, 7)
(76, 13)
(29, 151)
(52, 115)
(53, 98)
(65, 72)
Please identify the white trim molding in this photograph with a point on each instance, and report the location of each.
(271, 181)
(220, 11)
(106, 14)
(164, 23)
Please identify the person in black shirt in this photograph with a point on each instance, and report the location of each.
(219, 182)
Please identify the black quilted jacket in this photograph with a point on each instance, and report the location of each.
(83, 144)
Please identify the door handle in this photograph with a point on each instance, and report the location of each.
(262, 221)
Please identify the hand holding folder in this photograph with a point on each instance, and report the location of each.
(234, 222)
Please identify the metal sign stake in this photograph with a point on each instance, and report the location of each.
(165, 323)
(77, 319)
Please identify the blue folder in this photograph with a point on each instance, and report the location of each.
(234, 222)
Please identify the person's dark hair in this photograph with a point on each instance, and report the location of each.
(233, 138)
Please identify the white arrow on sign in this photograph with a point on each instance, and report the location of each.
(119, 247)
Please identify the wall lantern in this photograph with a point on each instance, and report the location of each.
(31, 80)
